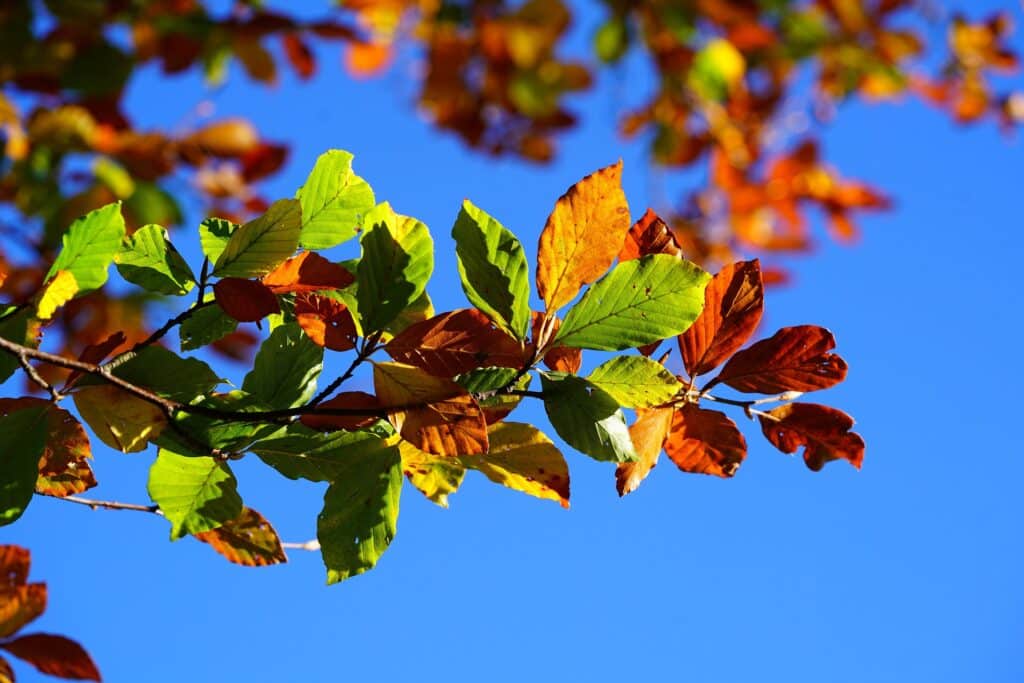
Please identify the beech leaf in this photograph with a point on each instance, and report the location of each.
(334, 200)
(196, 494)
(587, 417)
(649, 235)
(824, 433)
(522, 458)
(248, 540)
(648, 434)
(792, 359)
(705, 442)
(260, 245)
(54, 655)
(635, 381)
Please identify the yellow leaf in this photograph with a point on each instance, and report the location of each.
(523, 459)
(119, 419)
(58, 291)
(434, 476)
(433, 413)
(582, 237)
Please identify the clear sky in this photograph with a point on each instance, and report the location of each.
(909, 570)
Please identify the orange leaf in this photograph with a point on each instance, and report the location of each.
(307, 272)
(19, 605)
(649, 235)
(582, 236)
(227, 138)
(248, 540)
(705, 441)
(327, 321)
(6, 672)
(54, 655)
(245, 300)
(453, 343)
(823, 432)
(346, 400)
(363, 60)
(648, 434)
(14, 564)
(792, 359)
(433, 413)
(733, 303)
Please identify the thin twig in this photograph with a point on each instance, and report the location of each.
(34, 375)
(156, 336)
(369, 346)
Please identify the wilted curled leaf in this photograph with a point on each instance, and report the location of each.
(453, 343)
(245, 300)
(733, 303)
(705, 442)
(823, 431)
(119, 419)
(249, 540)
(792, 359)
(649, 235)
(648, 434)
(582, 236)
(54, 655)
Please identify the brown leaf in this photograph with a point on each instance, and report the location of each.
(582, 236)
(299, 55)
(228, 138)
(95, 354)
(245, 300)
(54, 655)
(793, 359)
(705, 441)
(14, 564)
(733, 303)
(823, 431)
(262, 161)
(648, 433)
(327, 321)
(307, 272)
(453, 343)
(649, 235)
(19, 605)
(433, 413)
(346, 399)
(63, 467)
(249, 540)
(6, 672)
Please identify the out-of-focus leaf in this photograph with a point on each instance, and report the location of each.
(635, 381)
(453, 343)
(705, 441)
(733, 303)
(587, 417)
(639, 302)
(54, 655)
(262, 244)
(648, 434)
(20, 605)
(248, 540)
(149, 260)
(522, 458)
(196, 494)
(286, 368)
(716, 70)
(792, 359)
(493, 269)
(582, 236)
(334, 201)
(824, 433)
(14, 565)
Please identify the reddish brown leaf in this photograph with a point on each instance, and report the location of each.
(823, 432)
(345, 400)
(433, 413)
(14, 564)
(6, 672)
(456, 342)
(327, 321)
(19, 605)
(582, 236)
(299, 55)
(649, 235)
(648, 434)
(245, 300)
(793, 359)
(54, 655)
(64, 467)
(733, 303)
(705, 441)
(227, 138)
(262, 161)
(249, 540)
(307, 272)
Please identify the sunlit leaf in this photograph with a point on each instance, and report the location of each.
(326, 320)
(120, 420)
(307, 272)
(635, 381)
(435, 476)
(705, 442)
(792, 359)
(195, 494)
(148, 259)
(248, 540)
(59, 290)
(648, 434)
(304, 454)
(63, 468)
(89, 247)
(262, 244)
(334, 201)
(453, 343)
(586, 417)
(214, 234)
(523, 459)
(649, 235)
(824, 433)
(20, 605)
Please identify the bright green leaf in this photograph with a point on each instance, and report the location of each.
(639, 302)
(195, 494)
(636, 381)
(262, 244)
(22, 437)
(149, 260)
(165, 372)
(286, 368)
(214, 234)
(586, 417)
(89, 247)
(213, 432)
(334, 200)
(302, 453)
(493, 269)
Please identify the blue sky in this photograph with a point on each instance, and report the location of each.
(908, 570)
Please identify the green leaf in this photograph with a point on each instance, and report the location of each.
(716, 69)
(150, 261)
(639, 302)
(396, 262)
(22, 437)
(334, 200)
(493, 269)
(262, 244)
(611, 40)
(488, 379)
(587, 417)
(12, 328)
(360, 513)
(636, 381)
(195, 494)
(205, 326)
(227, 435)
(302, 453)
(286, 368)
(214, 234)
(165, 372)
(89, 247)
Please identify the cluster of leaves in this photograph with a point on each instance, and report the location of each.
(439, 405)
(21, 603)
